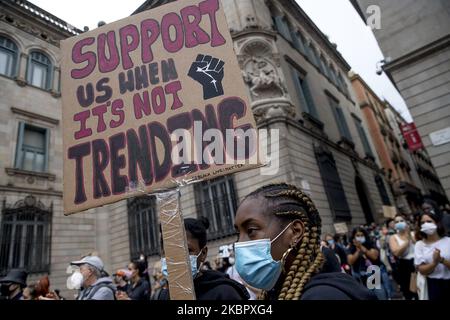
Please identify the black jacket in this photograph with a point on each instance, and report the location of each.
(141, 291)
(214, 285)
(331, 286)
(335, 286)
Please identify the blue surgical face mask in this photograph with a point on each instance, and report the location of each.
(330, 242)
(400, 226)
(192, 258)
(255, 264)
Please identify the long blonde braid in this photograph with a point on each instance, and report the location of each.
(309, 258)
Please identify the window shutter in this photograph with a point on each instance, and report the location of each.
(343, 122)
(19, 153)
(47, 149)
(309, 99)
(299, 89)
(282, 27)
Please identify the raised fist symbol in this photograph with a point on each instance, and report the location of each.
(209, 72)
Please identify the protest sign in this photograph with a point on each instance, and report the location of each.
(389, 211)
(341, 228)
(133, 88)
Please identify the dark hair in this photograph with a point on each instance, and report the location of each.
(419, 235)
(366, 235)
(288, 203)
(141, 266)
(431, 203)
(386, 223)
(197, 228)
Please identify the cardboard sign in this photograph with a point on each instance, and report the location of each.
(132, 87)
(175, 246)
(389, 212)
(341, 228)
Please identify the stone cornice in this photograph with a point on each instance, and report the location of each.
(26, 16)
(31, 191)
(35, 115)
(418, 54)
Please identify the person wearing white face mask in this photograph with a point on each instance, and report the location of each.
(90, 281)
(364, 254)
(401, 245)
(208, 284)
(432, 255)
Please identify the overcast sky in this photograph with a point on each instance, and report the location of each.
(336, 18)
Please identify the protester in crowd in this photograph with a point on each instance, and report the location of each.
(159, 281)
(120, 279)
(363, 254)
(209, 284)
(446, 219)
(13, 284)
(432, 254)
(339, 251)
(93, 286)
(279, 230)
(401, 245)
(139, 288)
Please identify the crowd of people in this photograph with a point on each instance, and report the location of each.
(280, 254)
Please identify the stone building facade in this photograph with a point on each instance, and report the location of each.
(422, 172)
(34, 233)
(415, 39)
(324, 145)
(407, 182)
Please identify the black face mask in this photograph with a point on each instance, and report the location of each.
(4, 290)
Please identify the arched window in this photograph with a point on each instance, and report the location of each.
(25, 236)
(8, 57)
(39, 70)
(143, 226)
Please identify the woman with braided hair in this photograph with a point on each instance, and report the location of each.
(279, 248)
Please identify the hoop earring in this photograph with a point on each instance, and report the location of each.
(284, 257)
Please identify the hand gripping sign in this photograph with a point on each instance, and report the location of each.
(130, 87)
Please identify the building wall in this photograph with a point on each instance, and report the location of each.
(408, 25)
(416, 36)
(424, 86)
(389, 145)
(71, 237)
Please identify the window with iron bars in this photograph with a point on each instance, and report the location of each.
(216, 200)
(25, 237)
(143, 227)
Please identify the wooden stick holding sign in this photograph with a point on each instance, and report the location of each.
(176, 251)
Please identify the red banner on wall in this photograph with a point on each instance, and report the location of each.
(412, 136)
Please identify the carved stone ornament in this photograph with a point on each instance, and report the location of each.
(260, 71)
(272, 108)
